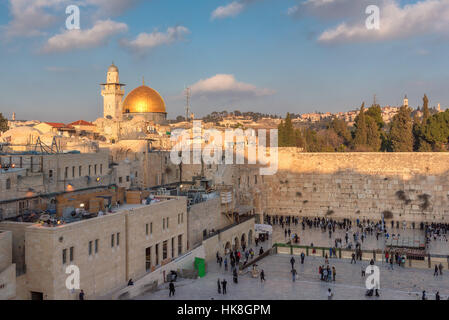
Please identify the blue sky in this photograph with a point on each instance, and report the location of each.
(251, 55)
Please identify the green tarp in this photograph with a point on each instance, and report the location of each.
(200, 265)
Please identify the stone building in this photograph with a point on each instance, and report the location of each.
(108, 250)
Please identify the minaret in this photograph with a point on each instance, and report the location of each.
(405, 101)
(112, 92)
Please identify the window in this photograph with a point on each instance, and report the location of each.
(151, 227)
(127, 178)
(96, 245)
(255, 179)
(164, 250)
(8, 183)
(79, 171)
(101, 168)
(148, 258)
(73, 172)
(90, 248)
(50, 173)
(72, 249)
(66, 172)
(146, 229)
(179, 244)
(182, 217)
(120, 179)
(136, 174)
(95, 169)
(163, 223)
(118, 239)
(90, 167)
(167, 223)
(157, 254)
(112, 240)
(64, 256)
(173, 247)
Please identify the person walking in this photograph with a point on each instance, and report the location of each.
(333, 273)
(423, 297)
(223, 285)
(293, 271)
(262, 276)
(171, 288)
(302, 257)
(219, 286)
(437, 296)
(329, 294)
(292, 262)
(81, 295)
(440, 267)
(435, 273)
(353, 258)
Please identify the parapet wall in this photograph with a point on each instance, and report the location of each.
(412, 186)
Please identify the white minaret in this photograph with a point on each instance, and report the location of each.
(112, 93)
(406, 101)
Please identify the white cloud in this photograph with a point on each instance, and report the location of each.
(230, 10)
(98, 35)
(31, 17)
(396, 22)
(226, 84)
(146, 41)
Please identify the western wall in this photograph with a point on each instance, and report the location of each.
(402, 186)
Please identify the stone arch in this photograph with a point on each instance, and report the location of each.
(236, 243)
(243, 241)
(227, 247)
(250, 237)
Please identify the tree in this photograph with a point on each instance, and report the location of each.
(425, 109)
(360, 136)
(375, 112)
(3, 123)
(401, 135)
(373, 140)
(340, 127)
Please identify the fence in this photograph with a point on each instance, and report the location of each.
(424, 261)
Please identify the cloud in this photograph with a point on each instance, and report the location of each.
(231, 10)
(396, 22)
(226, 84)
(97, 36)
(31, 17)
(145, 41)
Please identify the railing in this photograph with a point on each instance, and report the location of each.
(424, 261)
(242, 220)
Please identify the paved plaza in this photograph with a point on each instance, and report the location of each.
(402, 283)
(319, 238)
(398, 284)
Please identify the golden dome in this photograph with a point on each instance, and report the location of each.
(142, 100)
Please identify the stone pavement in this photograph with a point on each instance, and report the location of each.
(319, 238)
(398, 284)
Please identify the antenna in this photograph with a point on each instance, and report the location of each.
(188, 94)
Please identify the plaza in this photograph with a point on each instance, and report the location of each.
(401, 283)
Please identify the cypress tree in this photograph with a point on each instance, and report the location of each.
(401, 135)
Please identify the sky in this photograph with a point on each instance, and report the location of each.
(269, 56)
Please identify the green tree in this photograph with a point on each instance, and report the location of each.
(425, 109)
(373, 139)
(360, 135)
(401, 135)
(3, 123)
(340, 127)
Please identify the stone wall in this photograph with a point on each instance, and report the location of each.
(202, 216)
(412, 186)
